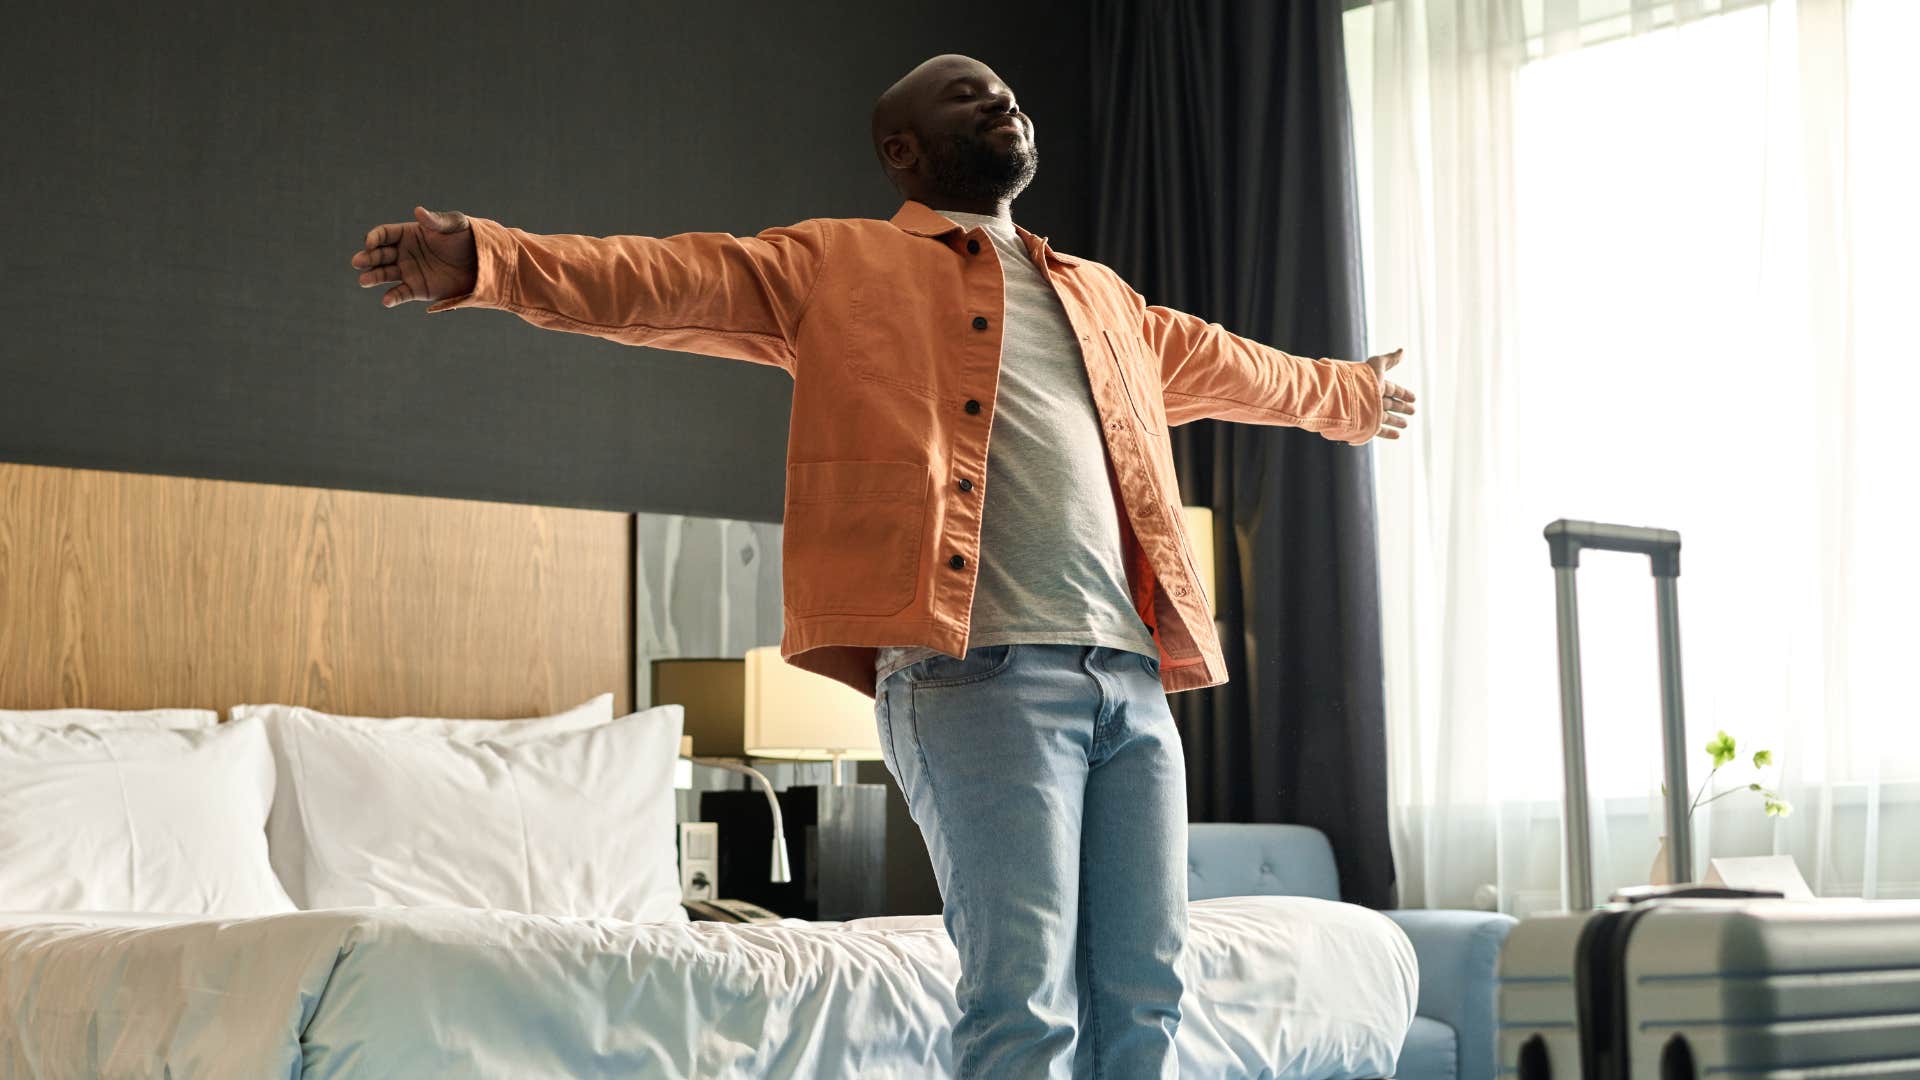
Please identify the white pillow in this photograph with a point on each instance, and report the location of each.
(286, 839)
(590, 713)
(534, 819)
(136, 819)
(102, 719)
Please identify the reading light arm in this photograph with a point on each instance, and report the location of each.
(780, 870)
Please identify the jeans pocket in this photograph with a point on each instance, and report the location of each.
(936, 672)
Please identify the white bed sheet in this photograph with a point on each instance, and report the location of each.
(1278, 987)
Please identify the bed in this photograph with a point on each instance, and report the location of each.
(1286, 987)
(215, 897)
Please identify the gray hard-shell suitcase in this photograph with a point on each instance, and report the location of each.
(1684, 981)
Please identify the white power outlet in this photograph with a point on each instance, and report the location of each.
(699, 859)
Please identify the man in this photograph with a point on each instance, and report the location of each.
(1009, 612)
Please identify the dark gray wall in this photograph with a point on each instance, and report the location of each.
(184, 185)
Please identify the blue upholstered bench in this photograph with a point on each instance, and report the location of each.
(1452, 1034)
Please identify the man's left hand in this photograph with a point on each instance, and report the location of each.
(1396, 401)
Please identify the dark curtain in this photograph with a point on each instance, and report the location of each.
(1223, 185)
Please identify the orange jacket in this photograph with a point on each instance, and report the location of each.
(891, 332)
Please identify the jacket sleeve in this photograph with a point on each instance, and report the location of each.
(740, 297)
(1208, 372)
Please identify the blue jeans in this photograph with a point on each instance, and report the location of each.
(1048, 783)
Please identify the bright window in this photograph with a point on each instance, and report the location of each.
(1664, 379)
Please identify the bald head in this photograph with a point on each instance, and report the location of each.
(898, 107)
(937, 114)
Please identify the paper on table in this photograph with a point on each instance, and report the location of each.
(1777, 872)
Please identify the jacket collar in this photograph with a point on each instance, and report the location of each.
(920, 219)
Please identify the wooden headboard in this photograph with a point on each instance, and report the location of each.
(133, 591)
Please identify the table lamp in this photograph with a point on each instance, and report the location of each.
(793, 714)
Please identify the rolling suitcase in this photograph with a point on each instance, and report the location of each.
(1683, 981)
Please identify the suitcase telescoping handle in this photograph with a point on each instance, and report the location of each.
(1566, 539)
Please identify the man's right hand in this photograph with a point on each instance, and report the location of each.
(432, 257)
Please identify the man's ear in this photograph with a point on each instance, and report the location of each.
(901, 150)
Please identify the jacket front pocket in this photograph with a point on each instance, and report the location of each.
(880, 344)
(851, 540)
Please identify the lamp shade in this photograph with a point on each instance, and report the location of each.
(792, 713)
(709, 691)
(1200, 532)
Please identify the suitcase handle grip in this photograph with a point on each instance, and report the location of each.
(1566, 539)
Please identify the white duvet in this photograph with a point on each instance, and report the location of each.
(1277, 987)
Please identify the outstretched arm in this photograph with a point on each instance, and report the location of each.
(1208, 372)
(741, 297)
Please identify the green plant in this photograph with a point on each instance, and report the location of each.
(1724, 753)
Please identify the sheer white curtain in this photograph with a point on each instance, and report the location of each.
(1647, 260)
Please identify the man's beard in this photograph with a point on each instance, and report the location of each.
(969, 167)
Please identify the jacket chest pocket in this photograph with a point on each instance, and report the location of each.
(881, 346)
(1140, 379)
(850, 544)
